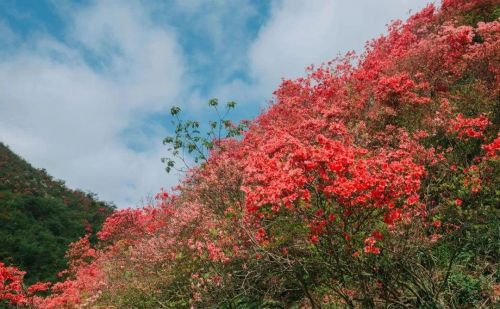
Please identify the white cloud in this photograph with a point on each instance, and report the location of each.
(74, 106)
(6, 34)
(66, 115)
(300, 33)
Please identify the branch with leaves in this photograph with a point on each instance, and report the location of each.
(189, 142)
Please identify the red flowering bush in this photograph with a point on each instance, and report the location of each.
(371, 182)
(11, 285)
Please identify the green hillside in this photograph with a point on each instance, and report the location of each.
(40, 216)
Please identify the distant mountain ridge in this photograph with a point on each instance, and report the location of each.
(17, 175)
(40, 216)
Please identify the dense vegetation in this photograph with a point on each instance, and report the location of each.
(370, 183)
(40, 217)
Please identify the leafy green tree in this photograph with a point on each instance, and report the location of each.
(190, 142)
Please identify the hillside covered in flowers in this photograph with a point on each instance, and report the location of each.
(372, 182)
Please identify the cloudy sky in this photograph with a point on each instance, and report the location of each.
(86, 86)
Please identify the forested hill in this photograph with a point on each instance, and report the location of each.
(40, 216)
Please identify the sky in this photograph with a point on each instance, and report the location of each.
(86, 86)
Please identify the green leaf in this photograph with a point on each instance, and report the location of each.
(175, 110)
(213, 102)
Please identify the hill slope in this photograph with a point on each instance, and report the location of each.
(372, 182)
(40, 217)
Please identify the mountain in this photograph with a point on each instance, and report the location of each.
(371, 182)
(40, 216)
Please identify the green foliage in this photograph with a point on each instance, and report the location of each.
(40, 217)
(486, 13)
(189, 141)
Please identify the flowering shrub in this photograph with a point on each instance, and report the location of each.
(11, 285)
(363, 185)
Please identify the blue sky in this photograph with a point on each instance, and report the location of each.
(86, 86)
